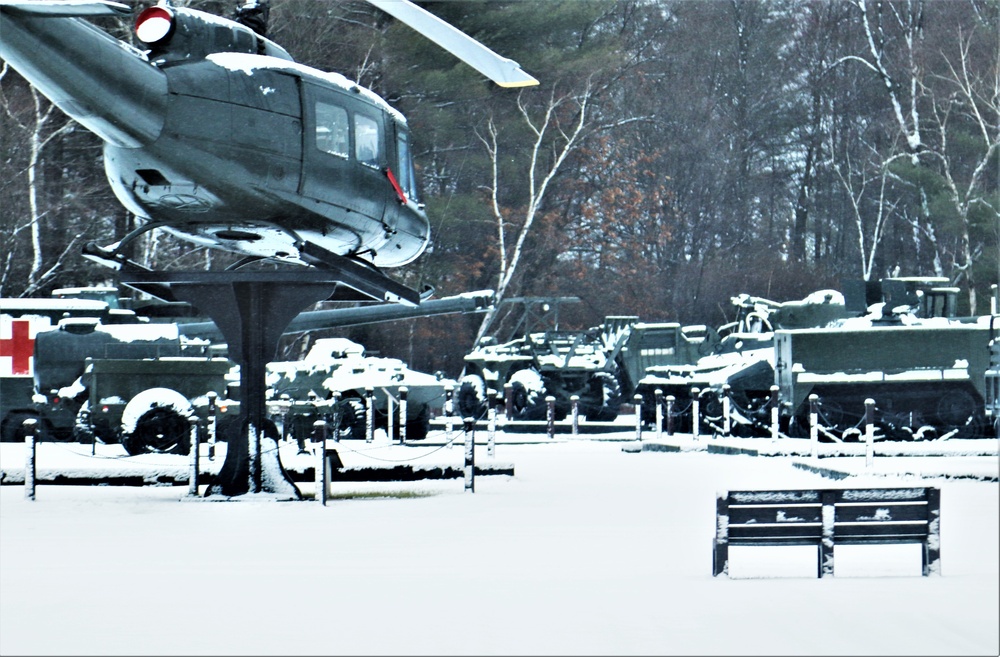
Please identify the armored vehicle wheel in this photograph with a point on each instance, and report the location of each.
(352, 419)
(417, 428)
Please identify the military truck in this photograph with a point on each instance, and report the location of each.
(134, 384)
(21, 321)
(598, 366)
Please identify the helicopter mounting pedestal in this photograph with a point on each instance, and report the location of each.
(251, 309)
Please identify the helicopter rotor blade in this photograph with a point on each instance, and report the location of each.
(505, 72)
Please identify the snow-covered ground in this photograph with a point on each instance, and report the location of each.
(587, 549)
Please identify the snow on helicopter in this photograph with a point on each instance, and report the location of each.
(214, 133)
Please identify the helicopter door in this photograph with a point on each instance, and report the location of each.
(344, 156)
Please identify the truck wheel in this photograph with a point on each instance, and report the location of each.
(12, 428)
(156, 420)
(83, 431)
(957, 409)
(606, 387)
(472, 397)
(528, 395)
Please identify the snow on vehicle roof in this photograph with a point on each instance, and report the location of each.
(8, 305)
(250, 63)
(100, 289)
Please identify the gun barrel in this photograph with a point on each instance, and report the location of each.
(340, 317)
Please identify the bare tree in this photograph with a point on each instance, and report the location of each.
(40, 134)
(556, 134)
(969, 98)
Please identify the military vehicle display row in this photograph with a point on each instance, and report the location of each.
(87, 369)
(931, 374)
(896, 341)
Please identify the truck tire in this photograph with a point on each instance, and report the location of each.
(83, 430)
(606, 387)
(472, 397)
(12, 428)
(528, 393)
(156, 420)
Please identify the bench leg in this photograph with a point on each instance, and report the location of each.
(720, 546)
(828, 499)
(720, 558)
(932, 544)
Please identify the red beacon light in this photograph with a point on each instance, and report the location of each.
(154, 25)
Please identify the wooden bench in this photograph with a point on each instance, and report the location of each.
(829, 517)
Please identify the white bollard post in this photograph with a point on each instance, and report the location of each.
(670, 414)
(470, 455)
(575, 413)
(637, 404)
(319, 428)
(550, 416)
(369, 414)
(255, 476)
(695, 413)
(212, 423)
(814, 424)
(491, 415)
(30, 433)
(774, 412)
(390, 410)
(727, 426)
(869, 432)
(193, 455)
(403, 410)
(337, 414)
(659, 413)
(449, 412)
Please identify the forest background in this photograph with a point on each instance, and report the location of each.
(676, 153)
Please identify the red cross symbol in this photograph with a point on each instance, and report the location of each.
(20, 347)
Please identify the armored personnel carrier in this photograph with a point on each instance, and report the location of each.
(302, 392)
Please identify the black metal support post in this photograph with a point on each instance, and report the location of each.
(252, 309)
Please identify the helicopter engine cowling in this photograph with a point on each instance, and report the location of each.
(175, 34)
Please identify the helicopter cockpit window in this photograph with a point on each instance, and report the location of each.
(366, 140)
(407, 180)
(332, 129)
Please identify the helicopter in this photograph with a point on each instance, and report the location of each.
(215, 134)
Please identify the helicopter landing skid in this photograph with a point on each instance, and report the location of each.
(366, 281)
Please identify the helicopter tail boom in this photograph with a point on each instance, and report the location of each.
(94, 78)
(66, 8)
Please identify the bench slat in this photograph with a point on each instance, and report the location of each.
(775, 530)
(778, 513)
(881, 512)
